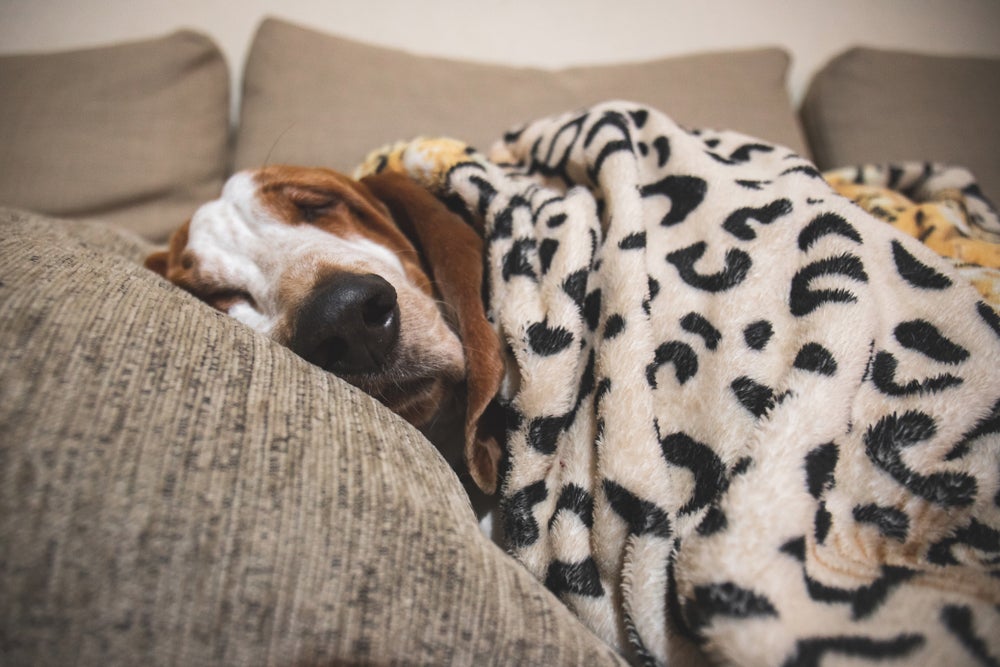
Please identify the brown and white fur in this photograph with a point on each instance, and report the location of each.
(375, 281)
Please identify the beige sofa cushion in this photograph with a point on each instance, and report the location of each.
(176, 489)
(134, 133)
(876, 106)
(316, 99)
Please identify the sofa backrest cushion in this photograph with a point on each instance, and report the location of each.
(315, 99)
(875, 106)
(134, 133)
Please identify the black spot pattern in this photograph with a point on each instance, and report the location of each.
(546, 251)
(823, 225)
(810, 652)
(709, 472)
(556, 221)
(820, 463)
(989, 316)
(738, 225)
(804, 169)
(751, 184)
(633, 241)
(662, 146)
(587, 383)
(977, 535)
(924, 337)
(726, 600)
(758, 334)
(742, 154)
(685, 193)
(988, 425)
(545, 340)
(959, 620)
(487, 193)
(680, 354)
(915, 272)
(757, 398)
(815, 358)
(543, 432)
(805, 300)
(642, 516)
(745, 152)
(891, 522)
(608, 148)
(654, 290)
(715, 521)
(822, 521)
(592, 309)
(575, 499)
(520, 526)
(697, 324)
(578, 578)
(517, 262)
(575, 285)
(503, 223)
(639, 117)
(884, 377)
(614, 326)
(884, 443)
(864, 600)
(735, 271)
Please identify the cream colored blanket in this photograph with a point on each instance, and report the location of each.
(746, 415)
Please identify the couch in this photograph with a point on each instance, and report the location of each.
(177, 489)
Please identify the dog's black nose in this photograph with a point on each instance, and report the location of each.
(349, 325)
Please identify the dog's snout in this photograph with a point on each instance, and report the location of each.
(349, 325)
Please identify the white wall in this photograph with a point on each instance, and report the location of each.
(547, 33)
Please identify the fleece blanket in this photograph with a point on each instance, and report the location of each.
(748, 422)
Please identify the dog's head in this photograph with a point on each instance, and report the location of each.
(375, 281)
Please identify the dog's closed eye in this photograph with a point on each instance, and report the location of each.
(311, 203)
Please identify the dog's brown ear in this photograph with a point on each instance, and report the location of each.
(157, 262)
(453, 252)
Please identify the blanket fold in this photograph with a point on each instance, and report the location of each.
(744, 415)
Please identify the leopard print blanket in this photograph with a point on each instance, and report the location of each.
(750, 424)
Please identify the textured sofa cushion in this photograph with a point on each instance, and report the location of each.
(134, 133)
(175, 489)
(875, 106)
(315, 99)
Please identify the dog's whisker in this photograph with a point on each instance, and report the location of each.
(277, 140)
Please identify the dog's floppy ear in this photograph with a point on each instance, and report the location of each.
(453, 252)
(159, 260)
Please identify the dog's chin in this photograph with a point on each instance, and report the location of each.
(416, 398)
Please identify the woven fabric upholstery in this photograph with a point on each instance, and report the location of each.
(313, 98)
(134, 133)
(175, 489)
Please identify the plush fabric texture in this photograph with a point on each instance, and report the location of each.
(940, 205)
(315, 99)
(747, 416)
(175, 489)
(135, 133)
(871, 106)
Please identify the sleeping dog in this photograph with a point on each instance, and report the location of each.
(375, 281)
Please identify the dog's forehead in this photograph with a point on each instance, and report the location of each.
(239, 237)
(274, 177)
